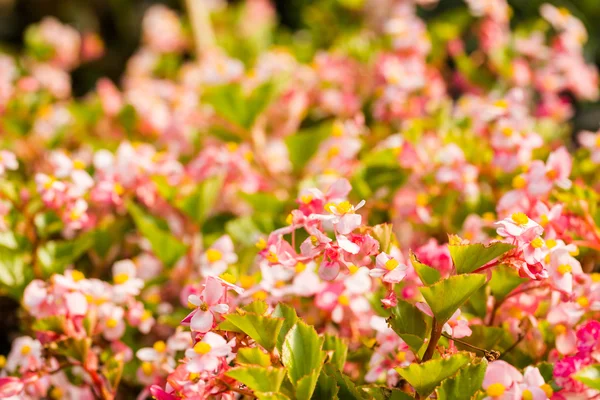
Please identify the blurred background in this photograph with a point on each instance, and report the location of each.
(118, 23)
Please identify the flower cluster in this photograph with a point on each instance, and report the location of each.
(396, 213)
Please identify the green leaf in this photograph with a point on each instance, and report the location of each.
(465, 384)
(54, 256)
(468, 257)
(253, 356)
(338, 350)
(301, 353)
(262, 329)
(306, 386)
(326, 387)
(165, 246)
(427, 376)
(201, 201)
(271, 396)
(446, 296)
(260, 379)
(379, 392)
(257, 307)
(409, 323)
(289, 320)
(589, 376)
(427, 274)
(54, 323)
(303, 145)
(504, 280)
(15, 274)
(347, 388)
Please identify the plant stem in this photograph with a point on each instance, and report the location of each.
(436, 333)
(204, 38)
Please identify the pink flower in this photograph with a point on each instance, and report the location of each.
(112, 321)
(218, 257)
(25, 352)
(388, 269)
(125, 282)
(207, 305)
(209, 353)
(10, 386)
(591, 141)
(519, 227)
(8, 161)
(502, 381)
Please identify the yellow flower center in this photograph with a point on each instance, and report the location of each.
(495, 390)
(232, 146)
(120, 279)
(160, 346)
(147, 368)
(583, 301)
(118, 188)
(391, 264)
(596, 277)
(507, 131)
(564, 11)
(2, 361)
(112, 323)
(564, 268)
(551, 174)
(344, 207)
(213, 255)
(279, 284)
(337, 129)
(146, 315)
(260, 295)
(77, 275)
(300, 266)
(548, 390)
(56, 393)
(575, 252)
(261, 244)
(537, 242)
(78, 164)
(246, 281)
(343, 300)
(597, 140)
(519, 182)
(289, 219)
(227, 277)
(306, 199)
(527, 395)
(551, 243)
(352, 268)
(422, 199)
(26, 349)
(202, 348)
(501, 103)
(49, 182)
(401, 356)
(153, 298)
(272, 257)
(193, 376)
(333, 151)
(519, 218)
(544, 220)
(560, 329)
(489, 216)
(314, 240)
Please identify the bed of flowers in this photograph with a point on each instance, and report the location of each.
(403, 214)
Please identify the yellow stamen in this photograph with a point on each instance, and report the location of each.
(260, 295)
(527, 395)
(501, 103)
(352, 268)
(202, 348)
(551, 174)
(289, 219)
(537, 243)
(519, 218)
(118, 188)
(232, 146)
(343, 300)
(544, 220)
(56, 393)
(247, 281)
(564, 268)
(272, 257)
(120, 279)
(507, 131)
(401, 356)
(261, 244)
(146, 315)
(26, 349)
(2, 361)
(112, 323)
(391, 264)
(559, 329)
(422, 199)
(227, 277)
(550, 243)
(300, 266)
(495, 390)
(583, 301)
(147, 368)
(160, 346)
(519, 182)
(344, 207)
(213, 255)
(548, 390)
(78, 164)
(77, 275)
